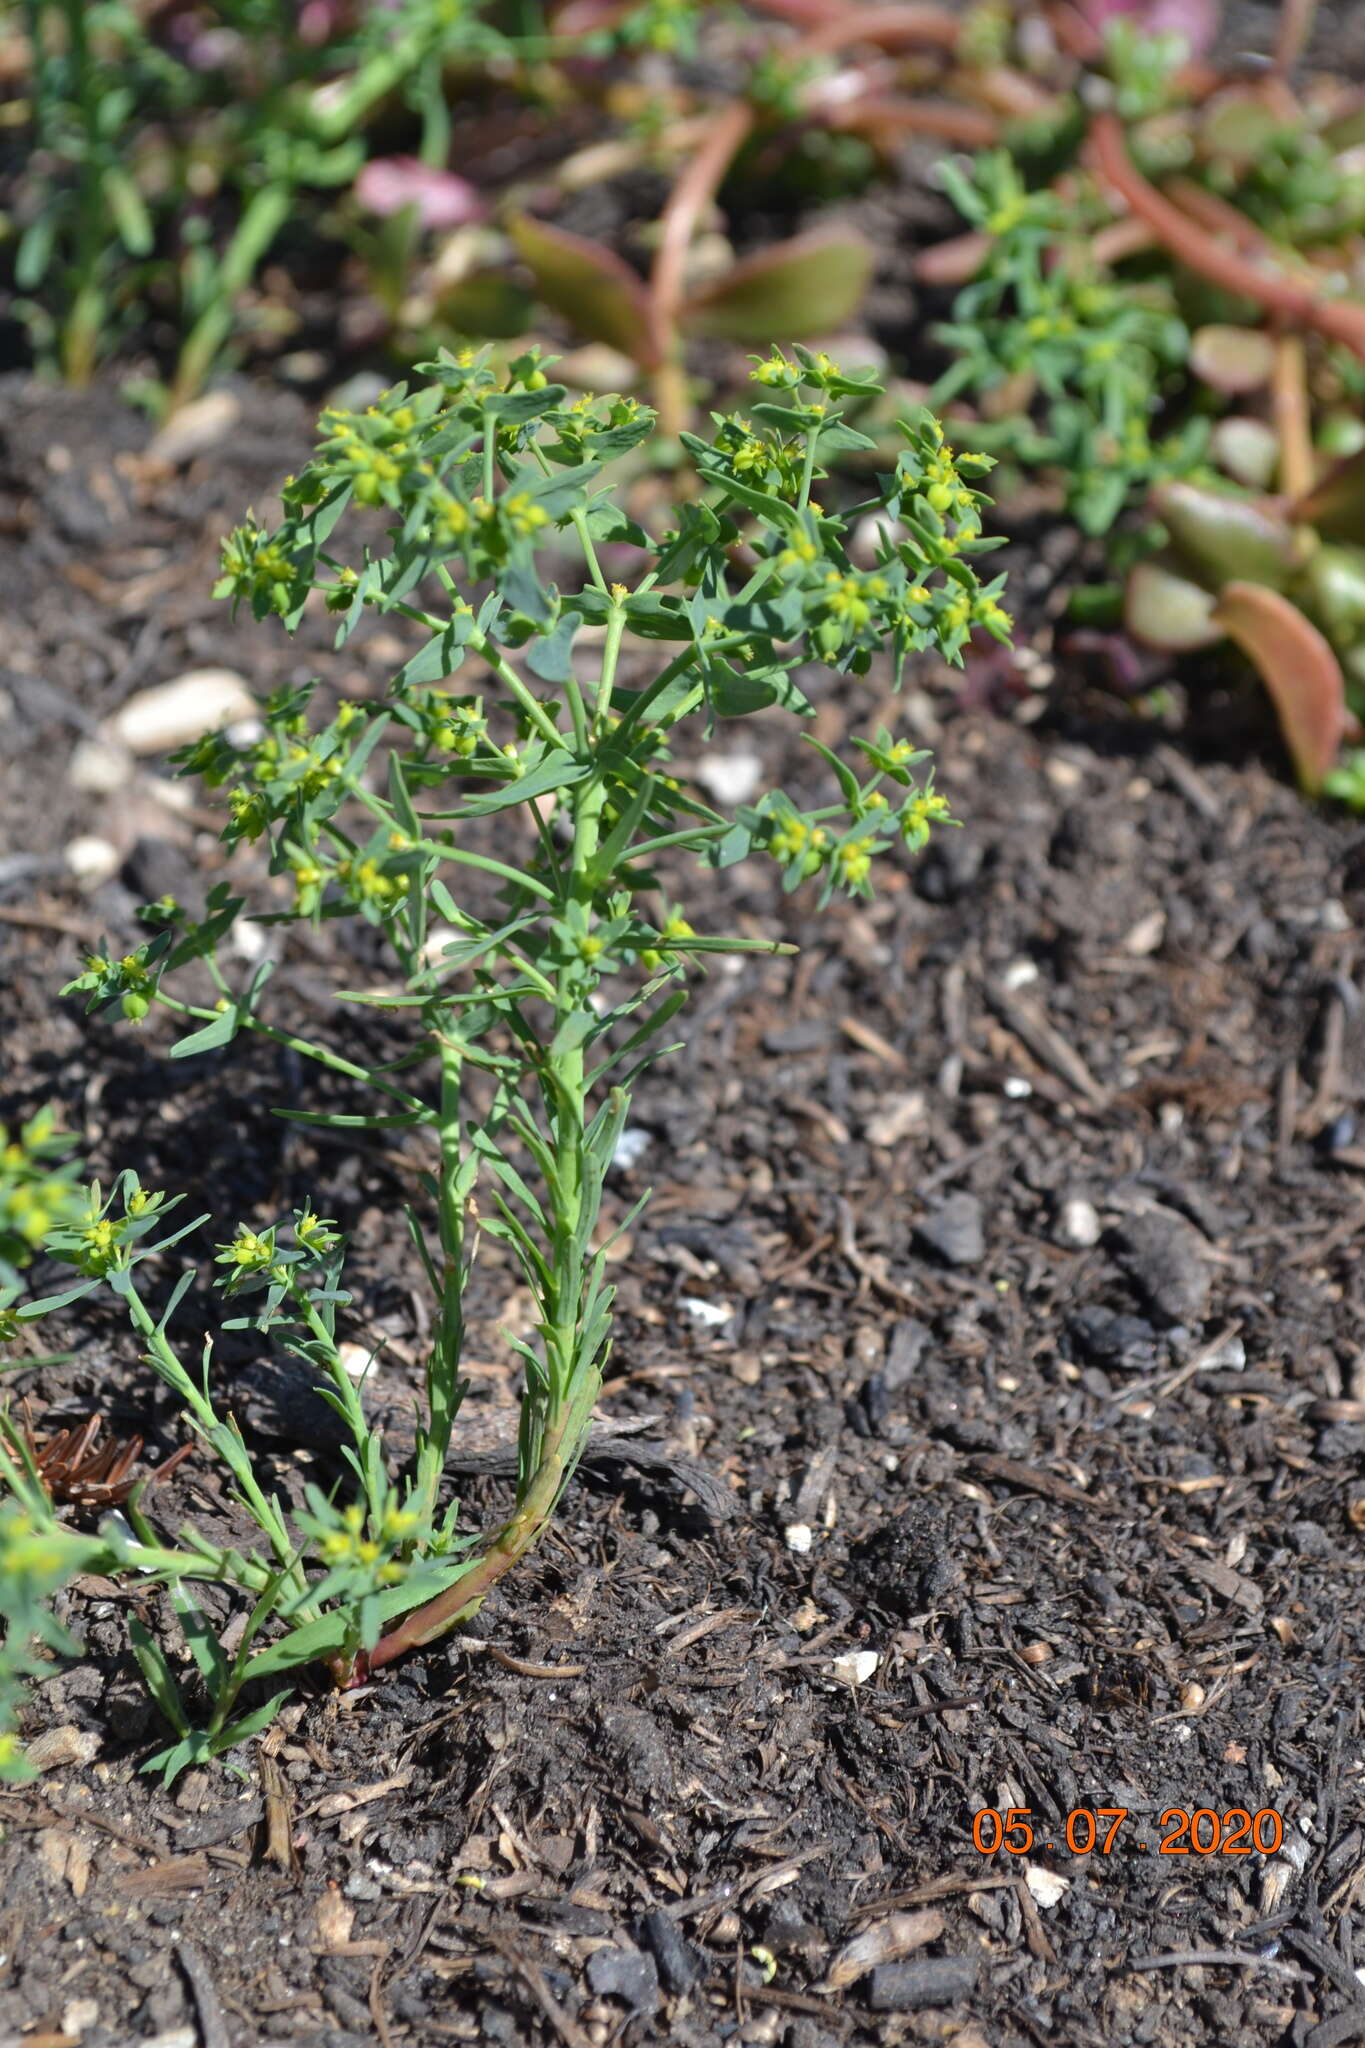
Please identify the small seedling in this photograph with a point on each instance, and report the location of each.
(511, 842)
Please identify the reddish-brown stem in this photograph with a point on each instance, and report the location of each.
(686, 203)
(835, 26)
(1289, 396)
(1120, 240)
(691, 195)
(425, 1624)
(956, 261)
(972, 127)
(1006, 92)
(1073, 33)
(1296, 25)
(1194, 246)
(1218, 216)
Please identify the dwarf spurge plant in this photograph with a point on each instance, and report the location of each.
(501, 819)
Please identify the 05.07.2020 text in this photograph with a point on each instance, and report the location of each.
(1183, 1831)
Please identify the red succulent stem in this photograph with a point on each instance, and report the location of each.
(832, 25)
(1219, 217)
(514, 1539)
(971, 127)
(1200, 250)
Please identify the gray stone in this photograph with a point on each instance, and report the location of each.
(1164, 1258)
(679, 1964)
(925, 1980)
(954, 1231)
(627, 1974)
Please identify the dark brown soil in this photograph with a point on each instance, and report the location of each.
(1093, 1507)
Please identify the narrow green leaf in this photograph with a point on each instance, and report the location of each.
(157, 1677)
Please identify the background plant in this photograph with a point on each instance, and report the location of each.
(194, 137)
(1157, 313)
(40, 1190)
(539, 992)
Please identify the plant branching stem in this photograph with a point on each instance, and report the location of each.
(558, 1401)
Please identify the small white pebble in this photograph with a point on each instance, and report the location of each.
(249, 939)
(356, 1360)
(1019, 974)
(1016, 1087)
(729, 779)
(855, 1667)
(799, 1537)
(631, 1147)
(710, 1314)
(174, 713)
(98, 769)
(1229, 1357)
(1047, 1886)
(91, 860)
(195, 429)
(1078, 1224)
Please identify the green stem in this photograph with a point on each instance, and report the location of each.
(225, 1437)
(634, 713)
(557, 1408)
(530, 707)
(698, 835)
(490, 450)
(580, 527)
(266, 213)
(807, 472)
(307, 1049)
(444, 1389)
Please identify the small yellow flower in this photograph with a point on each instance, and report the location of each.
(855, 860)
(802, 550)
(789, 840)
(523, 515)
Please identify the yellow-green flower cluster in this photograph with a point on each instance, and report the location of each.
(249, 1252)
(353, 1541)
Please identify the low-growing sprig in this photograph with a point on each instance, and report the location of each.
(1083, 359)
(509, 818)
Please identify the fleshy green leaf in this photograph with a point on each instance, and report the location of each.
(1163, 609)
(1220, 538)
(813, 284)
(1248, 449)
(589, 284)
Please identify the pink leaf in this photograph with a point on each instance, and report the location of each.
(1195, 21)
(1299, 669)
(386, 184)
